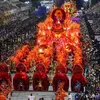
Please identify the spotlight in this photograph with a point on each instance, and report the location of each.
(41, 51)
(86, 0)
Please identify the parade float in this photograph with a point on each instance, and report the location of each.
(58, 47)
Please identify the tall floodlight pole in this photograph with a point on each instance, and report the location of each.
(86, 3)
(90, 3)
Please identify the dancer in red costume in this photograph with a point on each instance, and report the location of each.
(61, 93)
(59, 77)
(21, 79)
(78, 80)
(5, 79)
(40, 79)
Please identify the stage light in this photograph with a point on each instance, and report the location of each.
(86, 0)
(48, 7)
(43, 33)
(27, 2)
(41, 51)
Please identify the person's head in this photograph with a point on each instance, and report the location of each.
(31, 94)
(69, 93)
(42, 98)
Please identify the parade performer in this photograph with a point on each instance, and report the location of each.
(21, 79)
(5, 79)
(40, 79)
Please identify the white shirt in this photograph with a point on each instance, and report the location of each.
(93, 96)
(31, 97)
(70, 97)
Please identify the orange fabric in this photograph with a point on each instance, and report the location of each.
(61, 93)
(2, 97)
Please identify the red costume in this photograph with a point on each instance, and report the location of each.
(78, 77)
(21, 79)
(2, 97)
(40, 79)
(59, 77)
(60, 93)
(5, 79)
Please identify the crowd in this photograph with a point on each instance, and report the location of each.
(91, 27)
(87, 96)
(77, 96)
(15, 34)
(11, 35)
(95, 21)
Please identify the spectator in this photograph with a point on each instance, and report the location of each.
(41, 99)
(31, 97)
(97, 97)
(76, 96)
(86, 96)
(69, 96)
(93, 96)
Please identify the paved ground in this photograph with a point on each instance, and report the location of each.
(17, 95)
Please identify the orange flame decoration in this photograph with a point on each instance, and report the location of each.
(65, 36)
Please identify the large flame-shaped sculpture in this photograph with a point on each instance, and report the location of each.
(57, 37)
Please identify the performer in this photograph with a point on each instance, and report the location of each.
(40, 79)
(5, 79)
(21, 79)
(60, 93)
(78, 81)
(59, 77)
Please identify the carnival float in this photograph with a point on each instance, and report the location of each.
(58, 48)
